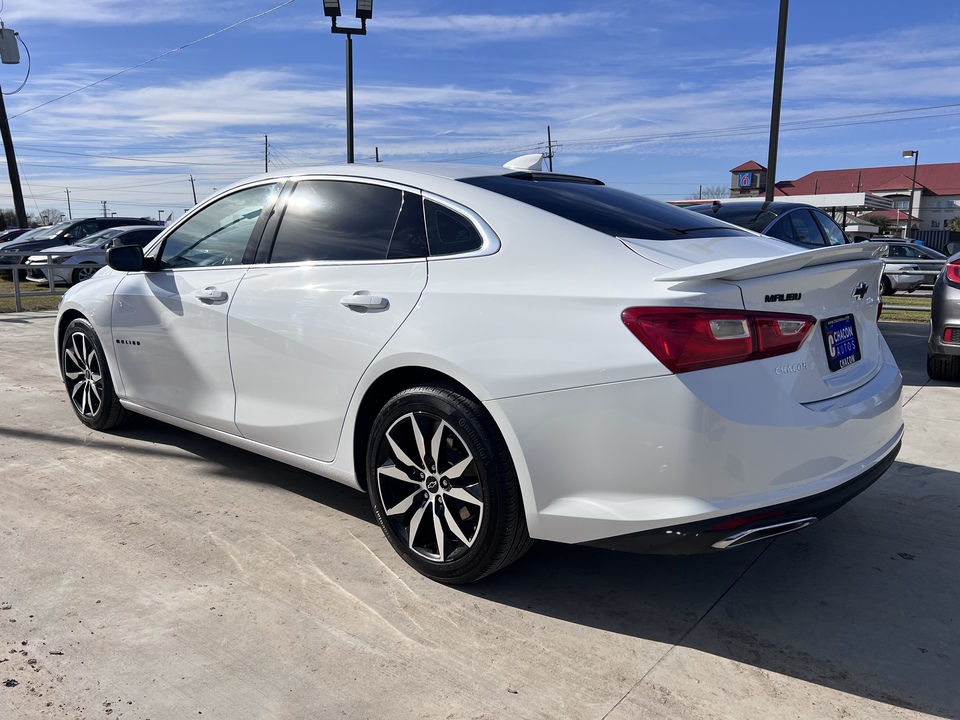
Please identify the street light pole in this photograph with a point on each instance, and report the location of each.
(915, 154)
(331, 9)
(349, 98)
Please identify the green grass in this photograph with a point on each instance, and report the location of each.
(905, 315)
(28, 289)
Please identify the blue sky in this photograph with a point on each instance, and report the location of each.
(654, 96)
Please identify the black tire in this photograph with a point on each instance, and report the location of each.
(885, 287)
(87, 378)
(84, 272)
(456, 517)
(943, 367)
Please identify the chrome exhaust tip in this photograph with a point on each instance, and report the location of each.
(762, 533)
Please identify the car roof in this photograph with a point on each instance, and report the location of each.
(414, 174)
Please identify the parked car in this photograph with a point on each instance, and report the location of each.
(943, 344)
(13, 233)
(900, 276)
(927, 260)
(78, 262)
(497, 355)
(65, 233)
(805, 226)
(796, 223)
(9, 254)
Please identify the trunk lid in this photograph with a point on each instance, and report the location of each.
(838, 286)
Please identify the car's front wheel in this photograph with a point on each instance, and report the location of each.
(85, 272)
(87, 378)
(443, 487)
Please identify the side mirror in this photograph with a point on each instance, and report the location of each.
(126, 258)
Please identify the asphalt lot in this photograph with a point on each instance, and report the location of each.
(158, 575)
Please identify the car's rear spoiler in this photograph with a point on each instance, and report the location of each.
(744, 268)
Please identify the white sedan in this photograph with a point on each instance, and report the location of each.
(499, 354)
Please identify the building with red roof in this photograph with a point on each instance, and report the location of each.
(936, 193)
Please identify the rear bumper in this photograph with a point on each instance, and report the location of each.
(629, 458)
(739, 529)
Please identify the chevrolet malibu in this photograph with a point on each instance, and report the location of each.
(496, 355)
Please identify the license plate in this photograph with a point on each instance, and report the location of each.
(840, 341)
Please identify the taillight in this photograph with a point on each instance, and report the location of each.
(952, 271)
(686, 339)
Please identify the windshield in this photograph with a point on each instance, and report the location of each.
(51, 232)
(98, 238)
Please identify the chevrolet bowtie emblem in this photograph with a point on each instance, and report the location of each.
(860, 291)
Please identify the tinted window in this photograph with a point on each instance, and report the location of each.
(81, 230)
(738, 214)
(448, 232)
(138, 237)
(218, 234)
(798, 227)
(831, 230)
(336, 220)
(603, 208)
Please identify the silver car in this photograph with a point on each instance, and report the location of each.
(75, 263)
(943, 346)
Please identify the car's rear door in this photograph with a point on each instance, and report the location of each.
(346, 265)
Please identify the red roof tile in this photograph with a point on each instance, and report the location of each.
(938, 179)
(750, 165)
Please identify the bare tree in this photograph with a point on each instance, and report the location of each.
(51, 216)
(709, 192)
(954, 224)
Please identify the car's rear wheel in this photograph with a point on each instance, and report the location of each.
(944, 367)
(83, 273)
(885, 287)
(87, 378)
(443, 486)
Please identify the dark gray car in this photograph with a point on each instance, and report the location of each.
(67, 232)
(943, 345)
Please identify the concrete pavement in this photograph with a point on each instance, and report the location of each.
(152, 573)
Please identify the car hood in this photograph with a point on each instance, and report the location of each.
(71, 249)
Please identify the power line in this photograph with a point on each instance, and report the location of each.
(147, 62)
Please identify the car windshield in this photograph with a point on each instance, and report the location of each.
(751, 218)
(98, 238)
(602, 208)
(52, 231)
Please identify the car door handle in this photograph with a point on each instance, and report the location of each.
(361, 299)
(210, 295)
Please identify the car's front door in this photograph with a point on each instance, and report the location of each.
(170, 323)
(347, 266)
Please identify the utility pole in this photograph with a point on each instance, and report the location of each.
(777, 97)
(69, 210)
(193, 186)
(104, 203)
(10, 55)
(376, 153)
(15, 188)
(266, 155)
(549, 150)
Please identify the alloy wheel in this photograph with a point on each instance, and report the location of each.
(430, 487)
(84, 374)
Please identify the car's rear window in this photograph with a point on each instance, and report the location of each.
(602, 208)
